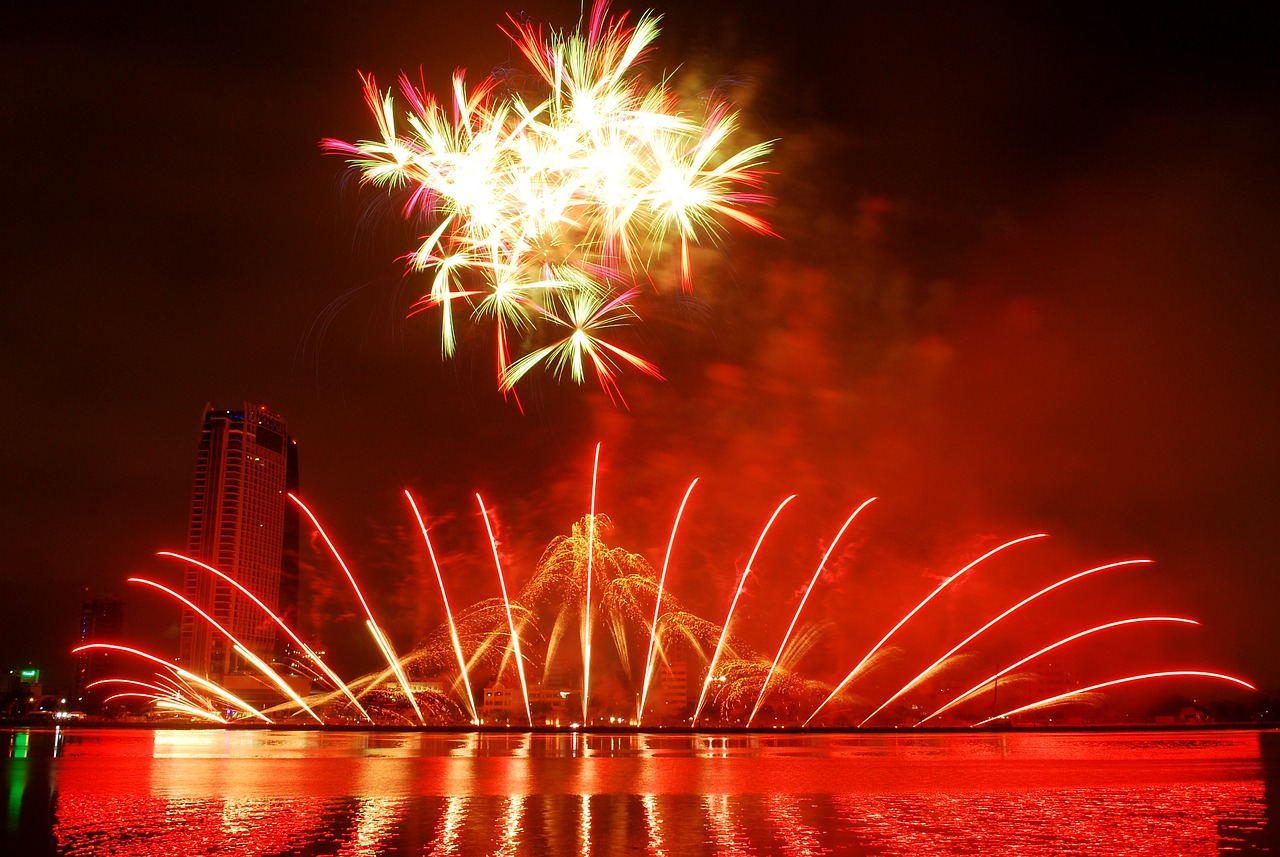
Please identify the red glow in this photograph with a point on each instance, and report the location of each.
(511, 622)
(1053, 700)
(764, 687)
(724, 632)
(657, 604)
(969, 639)
(914, 611)
(453, 629)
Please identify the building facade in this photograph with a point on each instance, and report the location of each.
(243, 524)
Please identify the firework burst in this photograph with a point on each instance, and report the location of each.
(543, 213)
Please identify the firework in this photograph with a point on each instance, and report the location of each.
(586, 607)
(657, 605)
(724, 631)
(1063, 697)
(929, 670)
(249, 656)
(302, 647)
(857, 669)
(990, 680)
(764, 686)
(444, 597)
(580, 582)
(393, 661)
(184, 676)
(546, 211)
(511, 622)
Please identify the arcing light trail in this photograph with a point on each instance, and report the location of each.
(506, 602)
(582, 577)
(724, 631)
(215, 689)
(303, 647)
(657, 604)
(393, 661)
(764, 686)
(862, 663)
(448, 614)
(546, 215)
(927, 671)
(1062, 697)
(991, 679)
(244, 652)
(586, 607)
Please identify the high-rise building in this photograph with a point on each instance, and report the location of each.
(101, 621)
(244, 525)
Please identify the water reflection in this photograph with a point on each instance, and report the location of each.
(136, 792)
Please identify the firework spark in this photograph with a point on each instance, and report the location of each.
(511, 622)
(444, 596)
(249, 656)
(657, 604)
(581, 581)
(764, 686)
(857, 669)
(724, 631)
(1064, 697)
(991, 679)
(183, 675)
(547, 210)
(384, 645)
(586, 608)
(927, 671)
(302, 647)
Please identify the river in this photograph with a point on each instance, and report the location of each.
(94, 791)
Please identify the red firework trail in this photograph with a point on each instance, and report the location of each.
(511, 622)
(991, 678)
(453, 629)
(657, 604)
(393, 660)
(786, 637)
(1053, 700)
(969, 639)
(862, 663)
(311, 655)
(724, 632)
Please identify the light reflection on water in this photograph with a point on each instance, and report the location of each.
(166, 792)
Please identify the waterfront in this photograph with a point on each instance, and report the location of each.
(86, 791)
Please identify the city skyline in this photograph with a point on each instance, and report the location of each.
(1024, 282)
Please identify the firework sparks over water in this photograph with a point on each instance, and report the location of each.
(581, 581)
(547, 213)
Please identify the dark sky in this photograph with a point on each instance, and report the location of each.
(1025, 282)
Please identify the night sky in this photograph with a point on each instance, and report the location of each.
(1025, 282)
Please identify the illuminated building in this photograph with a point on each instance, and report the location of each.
(243, 524)
(498, 703)
(101, 621)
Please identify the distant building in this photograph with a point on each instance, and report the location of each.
(498, 702)
(673, 692)
(243, 524)
(23, 691)
(101, 621)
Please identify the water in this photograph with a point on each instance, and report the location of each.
(248, 792)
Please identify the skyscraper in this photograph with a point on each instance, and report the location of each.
(101, 621)
(243, 524)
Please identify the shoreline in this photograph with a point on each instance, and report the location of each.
(77, 725)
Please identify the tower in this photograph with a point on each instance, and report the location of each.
(243, 524)
(101, 621)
